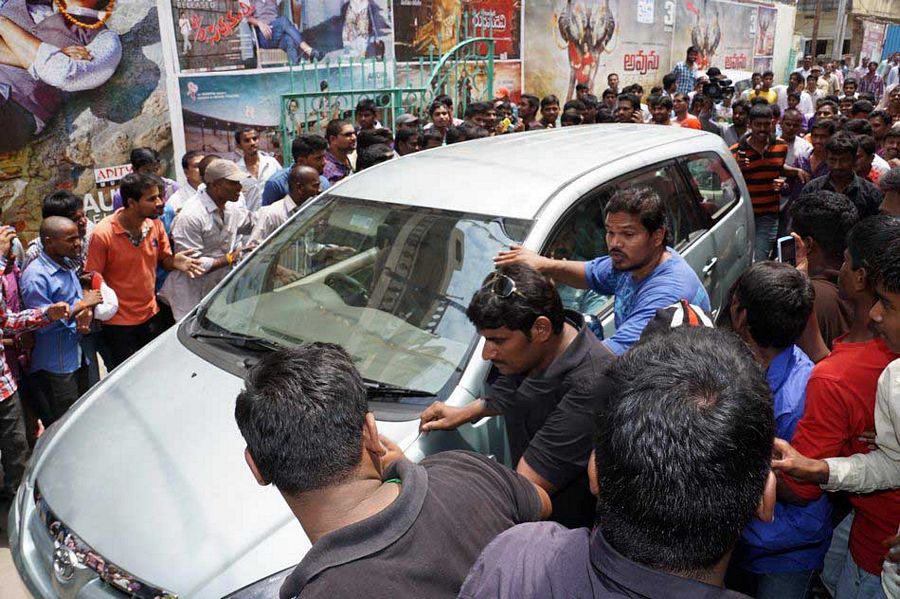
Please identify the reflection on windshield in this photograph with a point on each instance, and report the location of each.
(390, 283)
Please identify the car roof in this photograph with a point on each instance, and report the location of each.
(508, 175)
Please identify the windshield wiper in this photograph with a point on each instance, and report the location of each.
(238, 340)
(380, 389)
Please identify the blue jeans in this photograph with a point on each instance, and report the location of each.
(766, 232)
(837, 554)
(286, 36)
(856, 583)
(784, 585)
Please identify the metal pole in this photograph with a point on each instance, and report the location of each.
(840, 29)
(815, 31)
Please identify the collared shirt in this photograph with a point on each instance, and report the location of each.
(12, 323)
(335, 170)
(129, 268)
(761, 173)
(36, 248)
(56, 347)
(200, 226)
(872, 84)
(253, 186)
(544, 560)
(687, 77)
(450, 506)
(799, 536)
(636, 302)
(879, 469)
(864, 195)
(272, 217)
(277, 186)
(549, 420)
(55, 68)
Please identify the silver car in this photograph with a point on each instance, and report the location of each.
(142, 490)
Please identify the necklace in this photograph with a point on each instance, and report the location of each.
(101, 21)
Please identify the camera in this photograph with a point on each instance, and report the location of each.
(718, 88)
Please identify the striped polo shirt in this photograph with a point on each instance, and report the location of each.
(760, 175)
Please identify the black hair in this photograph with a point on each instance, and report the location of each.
(794, 95)
(370, 137)
(435, 105)
(742, 104)
(532, 101)
(760, 111)
(188, 156)
(862, 106)
(476, 108)
(61, 203)
(535, 296)
(444, 99)
(366, 105)
(768, 74)
(608, 92)
(887, 270)
(867, 144)
(141, 157)
(683, 451)
(301, 413)
(581, 86)
(631, 99)
(641, 201)
(692, 49)
(240, 132)
(548, 100)
(759, 100)
(333, 128)
(827, 217)
(858, 127)
(664, 101)
(432, 134)
(668, 80)
(372, 155)
(455, 135)
(472, 132)
(778, 299)
(883, 115)
(571, 117)
(404, 134)
(575, 105)
(868, 240)
(890, 181)
(590, 101)
(306, 144)
(656, 90)
(828, 124)
(134, 185)
(851, 80)
(604, 115)
(842, 143)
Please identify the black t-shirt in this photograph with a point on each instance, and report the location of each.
(550, 420)
(422, 545)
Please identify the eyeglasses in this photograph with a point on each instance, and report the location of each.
(501, 285)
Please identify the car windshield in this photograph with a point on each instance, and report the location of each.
(390, 283)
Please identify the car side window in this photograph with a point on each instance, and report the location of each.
(713, 184)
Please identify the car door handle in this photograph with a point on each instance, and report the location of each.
(707, 270)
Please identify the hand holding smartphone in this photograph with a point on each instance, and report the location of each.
(786, 250)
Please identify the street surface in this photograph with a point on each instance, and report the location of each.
(11, 586)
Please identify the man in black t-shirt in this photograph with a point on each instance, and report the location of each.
(552, 383)
(380, 526)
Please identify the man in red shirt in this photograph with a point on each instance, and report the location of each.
(840, 407)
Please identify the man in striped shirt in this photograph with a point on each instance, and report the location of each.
(761, 157)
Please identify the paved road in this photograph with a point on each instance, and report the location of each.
(10, 585)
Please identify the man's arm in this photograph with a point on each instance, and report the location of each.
(564, 272)
(20, 43)
(78, 68)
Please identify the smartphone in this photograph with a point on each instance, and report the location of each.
(787, 250)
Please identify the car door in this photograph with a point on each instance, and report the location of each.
(581, 234)
(724, 212)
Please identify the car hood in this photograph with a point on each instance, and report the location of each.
(148, 469)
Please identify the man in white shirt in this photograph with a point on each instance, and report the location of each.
(259, 166)
(795, 84)
(879, 469)
(805, 67)
(190, 163)
(303, 185)
(210, 224)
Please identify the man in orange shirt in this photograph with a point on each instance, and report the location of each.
(683, 118)
(125, 249)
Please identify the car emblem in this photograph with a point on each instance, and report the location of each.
(64, 561)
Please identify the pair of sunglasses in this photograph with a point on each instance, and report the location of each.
(501, 285)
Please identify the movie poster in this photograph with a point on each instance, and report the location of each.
(64, 124)
(765, 39)
(429, 28)
(472, 77)
(725, 33)
(215, 106)
(217, 35)
(581, 41)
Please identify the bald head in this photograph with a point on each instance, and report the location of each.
(303, 183)
(60, 238)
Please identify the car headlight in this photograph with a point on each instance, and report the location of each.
(262, 589)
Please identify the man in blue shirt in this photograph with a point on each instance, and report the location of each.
(307, 150)
(769, 310)
(56, 360)
(641, 271)
(686, 71)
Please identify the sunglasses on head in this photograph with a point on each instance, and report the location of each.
(501, 285)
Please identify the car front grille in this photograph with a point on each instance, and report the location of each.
(71, 554)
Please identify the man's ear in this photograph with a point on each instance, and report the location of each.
(766, 509)
(542, 329)
(659, 236)
(372, 445)
(593, 483)
(252, 464)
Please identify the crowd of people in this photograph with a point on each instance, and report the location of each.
(651, 451)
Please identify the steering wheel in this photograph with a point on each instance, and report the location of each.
(351, 291)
